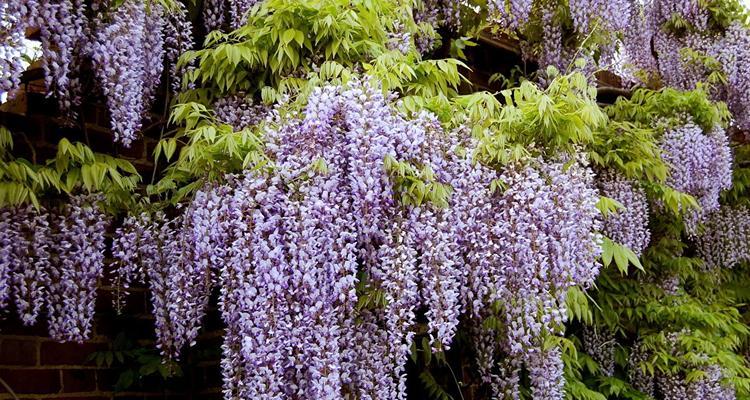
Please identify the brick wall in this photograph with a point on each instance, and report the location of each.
(35, 367)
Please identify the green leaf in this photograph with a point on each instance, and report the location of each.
(169, 146)
(125, 380)
(426, 350)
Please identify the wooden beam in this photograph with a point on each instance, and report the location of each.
(499, 41)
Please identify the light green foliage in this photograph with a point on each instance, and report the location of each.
(631, 149)
(416, 185)
(533, 121)
(665, 107)
(621, 255)
(284, 37)
(287, 49)
(208, 150)
(74, 168)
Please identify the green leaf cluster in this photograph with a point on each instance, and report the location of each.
(74, 168)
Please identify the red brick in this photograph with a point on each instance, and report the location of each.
(40, 104)
(53, 353)
(18, 352)
(106, 379)
(13, 326)
(137, 150)
(110, 328)
(78, 380)
(36, 381)
(100, 140)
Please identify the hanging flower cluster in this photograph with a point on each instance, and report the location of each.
(177, 258)
(709, 385)
(353, 232)
(689, 47)
(7, 255)
(128, 51)
(126, 44)
(725, 240)
(513, 15)
(178, 38)
(30, 277)
(239, 111)
(54, 260)
(79, 246)
(629, 226)
(226, 14)
(555, 208)
(700, 165)
(600, 14)
(62, 24)
(637, 375)
(306, 231)
(13, 17)
(600, 345)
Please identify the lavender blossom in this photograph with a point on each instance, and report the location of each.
(239, 111)
(62, 25)
(700, 165)
(31, 273)
(725, 240)
(79, 246)
(600, 345)
(629, 226)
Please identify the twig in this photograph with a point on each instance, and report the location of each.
(7, 387)
(31, 147)
(161, 133)
(460, 393)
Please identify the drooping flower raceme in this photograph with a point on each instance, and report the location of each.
(8, 235)
(127, 250)
(226, 14)
(700, 165)
(127, 51)
(602, 14)
(629, 226)
(178, 258)
(34, 242)
(79, 246)
(14, 16)
(516, 15)
(555, 209)
(238, 111)
(637, 374)
(600, 345)
(725, 240)
(117, 52)
(178, 38)
(62, 24)
(302, 233)
(710, 386)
